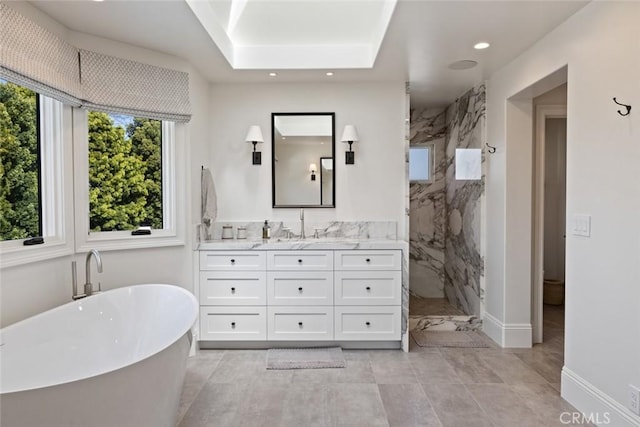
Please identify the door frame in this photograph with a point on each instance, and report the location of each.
(543, 112)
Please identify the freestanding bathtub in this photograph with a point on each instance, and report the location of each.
(113, 359)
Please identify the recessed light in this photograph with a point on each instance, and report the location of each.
(273, 74)
(481, 45)
(465, 64)
(329, 73)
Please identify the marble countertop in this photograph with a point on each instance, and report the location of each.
(296, 244)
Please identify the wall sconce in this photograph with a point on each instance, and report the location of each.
(313, 168)
(349, 135)
(254, 136)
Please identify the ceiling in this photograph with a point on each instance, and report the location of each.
(422, 39)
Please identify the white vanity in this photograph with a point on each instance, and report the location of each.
(300, 293)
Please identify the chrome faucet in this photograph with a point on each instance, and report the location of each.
(302, 223)
(88, 287)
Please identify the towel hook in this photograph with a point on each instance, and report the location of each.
(628, 107)
(490, 148)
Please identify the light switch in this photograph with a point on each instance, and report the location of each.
(582, 225)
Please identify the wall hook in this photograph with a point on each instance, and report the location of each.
(628, 107)
(490, 148)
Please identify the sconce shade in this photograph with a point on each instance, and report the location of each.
(350, 134)
(254, 134)
(313, 167)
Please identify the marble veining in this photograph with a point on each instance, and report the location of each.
(445, 323)
(464, 263)
(428, 207)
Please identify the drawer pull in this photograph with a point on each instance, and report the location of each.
(368, 259)
(233, 290)
(368, 288)
(233, 324)
(300, 324)
(299, 261)
(367, 323)
(233, 261)
(300, 289)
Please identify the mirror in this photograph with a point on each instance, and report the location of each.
(303, 160)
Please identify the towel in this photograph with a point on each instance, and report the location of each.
(209, 206)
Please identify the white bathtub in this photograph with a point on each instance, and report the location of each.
(112, 359)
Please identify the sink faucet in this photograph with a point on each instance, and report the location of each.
(302, 223)
(88, 287)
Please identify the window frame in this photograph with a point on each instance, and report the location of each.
(431, 148)
(56, 189)
(173, 202)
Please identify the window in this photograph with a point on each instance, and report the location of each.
(19, 163)
(34, 186)
(126, 177)
(421, 163)
(125, 172)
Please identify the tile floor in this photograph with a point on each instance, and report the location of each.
(470, 387)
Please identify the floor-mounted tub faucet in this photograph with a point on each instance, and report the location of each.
(88, 287)
(302, 223)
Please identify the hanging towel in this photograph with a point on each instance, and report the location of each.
(209, 206)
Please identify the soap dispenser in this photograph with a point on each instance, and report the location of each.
(266, 230)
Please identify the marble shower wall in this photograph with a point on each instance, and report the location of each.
(427, 208)
(463, 255)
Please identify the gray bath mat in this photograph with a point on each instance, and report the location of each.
(305, 358)
(469, 339)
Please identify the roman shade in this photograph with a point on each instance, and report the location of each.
(33, 57)
(113, 84)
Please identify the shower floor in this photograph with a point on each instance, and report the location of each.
(436, 314)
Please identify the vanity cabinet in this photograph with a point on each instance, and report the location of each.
(300, 295)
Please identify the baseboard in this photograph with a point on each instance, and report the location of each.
(508, 335)
(596, 406)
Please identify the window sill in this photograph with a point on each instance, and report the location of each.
(19, 255)
(123, 240)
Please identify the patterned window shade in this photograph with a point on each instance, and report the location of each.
(38, 59)
(112, 84)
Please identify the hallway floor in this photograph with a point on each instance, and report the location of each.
(425, 387)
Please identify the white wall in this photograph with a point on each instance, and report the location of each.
(599, 44)
(35, 287)
(371, 189)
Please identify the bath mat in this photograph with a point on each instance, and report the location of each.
(468, 339)
(305, 358)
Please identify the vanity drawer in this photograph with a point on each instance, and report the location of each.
(368, 287)
(300, 260)
(368, 260)
(233, 288)
(235, 260)
(233, 323)
(300, 288)
(367, 323)
(300, 323)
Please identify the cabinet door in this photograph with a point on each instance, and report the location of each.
(368, 287)
(368, 260)
(300, 288)
(300, 260)
(300, 323)
(233, 288)
(233, 323)
(367, 323)
(233, 260)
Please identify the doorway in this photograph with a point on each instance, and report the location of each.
(549, 228)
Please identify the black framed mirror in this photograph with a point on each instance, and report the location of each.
(303, 160)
